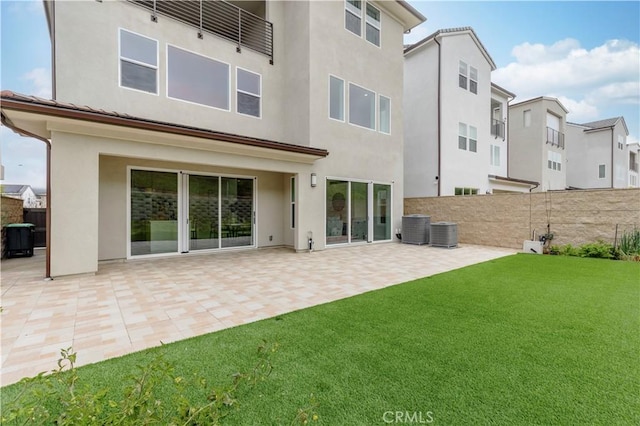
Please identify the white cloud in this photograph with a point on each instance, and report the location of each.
(417, 34)
(40, 81)
(579, 111)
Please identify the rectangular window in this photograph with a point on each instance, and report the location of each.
(249, 92)
(462, 136)
(554, 160)
(372, 30)
(196, 78)
(601, 171)
(526, 118)
(336, 98)
(495, 155)
(353, 16)
(620, 142)
(362, 107)
(473, 139)
(384, 114)
(138, 62)
(462, 75)
(293, 202)
(473, 80)
(466, 191)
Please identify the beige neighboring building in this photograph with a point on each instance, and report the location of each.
(537, 146)
(597, 154)
(203, 126)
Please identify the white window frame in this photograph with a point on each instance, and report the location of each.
(602, 171)
(228, 109)
(136, 62)
(350, 8)
(343, 103)
(463, 134)
(473, 139)
(494, 155)
(387, 132)
(375, 106)
(375, 24)
(465, 191)
(554, 161)
(463, 71)
(259, 96)
(473, 71)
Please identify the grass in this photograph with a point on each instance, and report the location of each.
(520, 340)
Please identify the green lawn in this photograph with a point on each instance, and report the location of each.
(521, 340)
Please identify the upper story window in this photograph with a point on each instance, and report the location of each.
(362, 107)
(198, 79)
(249, 90)
(554, 160)
(467, 137)
(526, 118)
(354, 21)
(336, 98)
(467, 77)
(384, 114)
(138, 62)
(620, 142)
(494, 153)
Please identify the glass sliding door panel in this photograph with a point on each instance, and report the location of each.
(154, 212)
(337, 212)
(237, 212)
(359, 211)
(203, 212)
(381, 212)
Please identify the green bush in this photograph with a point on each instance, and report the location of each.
(599, 249)
(630, 242)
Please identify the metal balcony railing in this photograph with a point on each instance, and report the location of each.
(555, 138)
(497, 128)
(219, 18)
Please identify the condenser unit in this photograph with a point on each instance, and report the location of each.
(415, 229)
(444, 234)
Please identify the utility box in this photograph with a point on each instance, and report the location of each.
(532, 247)
(415, 229)
(20, 239)
(444, 234)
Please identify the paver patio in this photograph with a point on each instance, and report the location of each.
(130, 306)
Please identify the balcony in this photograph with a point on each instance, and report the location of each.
(220, 18)
(497, 128)
(555, 138)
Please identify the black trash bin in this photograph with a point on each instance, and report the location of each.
(20, 239)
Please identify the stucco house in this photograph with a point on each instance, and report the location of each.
(634, 158)
(597, 155)
(24, 192)
(183, 127)
(537, 151)
(456, 119)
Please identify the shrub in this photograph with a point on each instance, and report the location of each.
(599, 249)
(630, 243)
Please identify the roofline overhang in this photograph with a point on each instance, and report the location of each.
(503, 91)
(406, 14)
(542, 98)
(12, 102)
(523, 182)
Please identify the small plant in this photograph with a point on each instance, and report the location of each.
(141, 403)
(599, 249)
(630, 244)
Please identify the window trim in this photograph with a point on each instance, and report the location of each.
(465, 75)
(343, 99)
(494, 155)
(259, 96)
(375, 24)
(136, 62)
(375, 106)
(465, 135)
(229, 88)
(471, 79)
(474, 140)
(348, 9)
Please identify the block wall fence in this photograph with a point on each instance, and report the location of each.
(506, 220)
(12, 212)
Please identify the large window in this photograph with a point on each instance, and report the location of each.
(467, 77)
(467, 137)
(372, 30)
(384, 116)
(336, 98)
(196, 78)
(138, 62)
(362, 107)
(554, 161)
(249, 92)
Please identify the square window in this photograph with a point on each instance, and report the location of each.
(362, 107)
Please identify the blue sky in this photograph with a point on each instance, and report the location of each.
(584, 53)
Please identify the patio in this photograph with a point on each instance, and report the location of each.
(130, 306)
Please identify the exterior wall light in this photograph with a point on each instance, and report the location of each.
(314, 180)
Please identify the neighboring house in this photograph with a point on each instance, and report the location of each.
(537, 148)
(634, 158)
(597, 154)
(209, 125)
(456, 138)
(24, 192)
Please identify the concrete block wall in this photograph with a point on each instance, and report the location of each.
(11, 212)
(506, 220)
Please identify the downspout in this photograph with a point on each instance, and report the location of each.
(612, 151)
(6, 122)
(439, 112)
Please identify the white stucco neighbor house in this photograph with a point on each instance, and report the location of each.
(203, 126)
(23, 192)
(537, 149)
(456, 119)
(597, 154)
(634, 158)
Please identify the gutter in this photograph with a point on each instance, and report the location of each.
(7, 122)
(439, 112)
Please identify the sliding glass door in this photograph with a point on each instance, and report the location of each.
(172, 212)
(357, 212)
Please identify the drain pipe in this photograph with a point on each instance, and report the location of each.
(439, 113)
(6, 122)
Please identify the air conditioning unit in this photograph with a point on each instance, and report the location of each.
(444, 234)
(415, 229)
